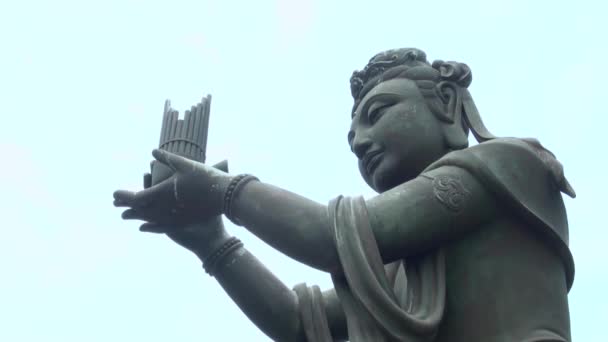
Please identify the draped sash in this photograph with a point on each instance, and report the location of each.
(407, 304)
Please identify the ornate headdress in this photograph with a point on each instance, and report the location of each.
(381, 62)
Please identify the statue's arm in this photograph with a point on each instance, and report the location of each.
(294, 225)
(412, 217)
(265, 300)
(438, 206)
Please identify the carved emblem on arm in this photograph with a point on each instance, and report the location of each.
(450, 192)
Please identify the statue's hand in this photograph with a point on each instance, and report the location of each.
(193, 194)
(200, 238)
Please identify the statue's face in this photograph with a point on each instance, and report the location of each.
(394, 134)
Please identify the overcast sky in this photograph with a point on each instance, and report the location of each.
(82, 88)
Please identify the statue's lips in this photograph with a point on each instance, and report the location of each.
(371, 161)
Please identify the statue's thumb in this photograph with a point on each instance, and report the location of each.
(173, 161)
(153, 228)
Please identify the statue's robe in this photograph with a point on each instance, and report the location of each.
(505, 281)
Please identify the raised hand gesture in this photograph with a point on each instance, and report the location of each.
(193, 194)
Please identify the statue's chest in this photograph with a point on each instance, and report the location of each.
(501, 282)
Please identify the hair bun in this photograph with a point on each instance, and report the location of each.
(383, 61)
(456, 72)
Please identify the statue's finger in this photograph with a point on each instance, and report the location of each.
(147, 180)
(124, 196)
(143, 198)
(152, 194)
(175, 162)
(162, 157)
(132, 214)
(119, 203)
(153, 228)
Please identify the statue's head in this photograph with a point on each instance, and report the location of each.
(409, 113)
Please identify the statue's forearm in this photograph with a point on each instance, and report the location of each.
(294, 225)
(421, 214)
(266, 301)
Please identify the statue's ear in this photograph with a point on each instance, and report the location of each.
(451, 95)
(448, 94)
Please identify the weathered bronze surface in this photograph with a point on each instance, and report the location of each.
(460, 244)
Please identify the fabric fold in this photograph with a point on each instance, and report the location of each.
(374, 311)
(312, 313)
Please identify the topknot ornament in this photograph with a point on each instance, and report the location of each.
(384, 61)
(456, 72)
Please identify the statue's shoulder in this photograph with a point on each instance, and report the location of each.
(509, 158)
(527, 179)
(524, 166)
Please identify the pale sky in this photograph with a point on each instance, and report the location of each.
(83, 83)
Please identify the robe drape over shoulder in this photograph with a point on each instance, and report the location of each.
(527, 179)
(405, 300)
(404, 304)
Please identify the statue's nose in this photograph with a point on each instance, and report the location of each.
(361, 144)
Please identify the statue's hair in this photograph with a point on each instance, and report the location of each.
(412, 64)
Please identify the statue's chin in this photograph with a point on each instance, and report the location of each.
(380, 181)
(387, 175)
(384, 179)
(382, 185)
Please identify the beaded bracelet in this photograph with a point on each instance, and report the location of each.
(211, 262)
(235, 185)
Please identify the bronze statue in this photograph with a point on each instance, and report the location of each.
(461, 244)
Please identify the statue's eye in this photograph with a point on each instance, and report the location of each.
(376, 110)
